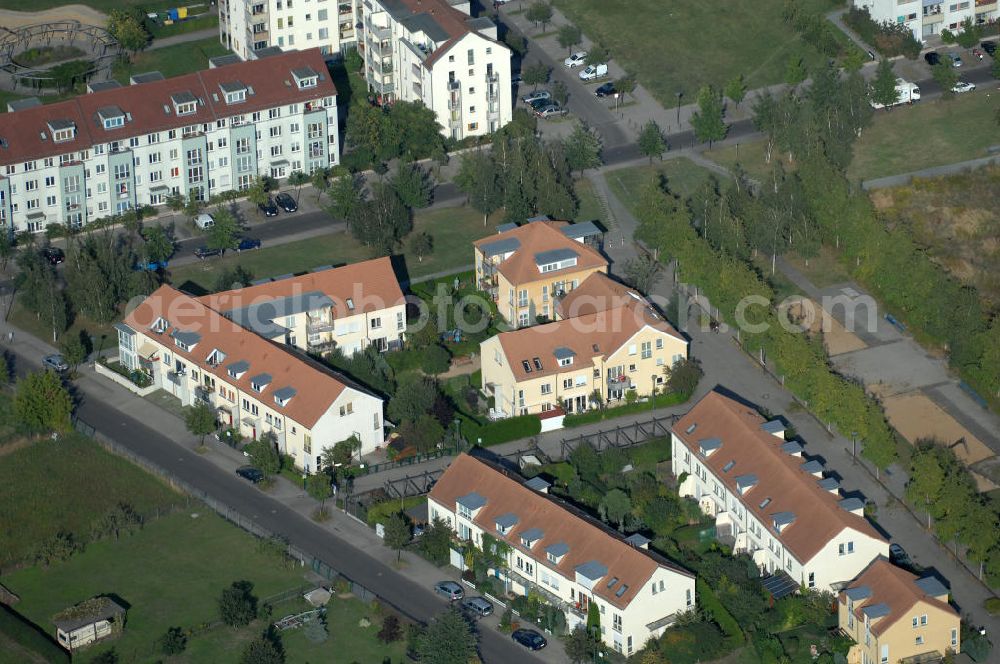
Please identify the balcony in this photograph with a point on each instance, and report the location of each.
(379, 34)
(318, 326)
(620, 383)
(204, 394)
(493, 77)
(344, 9)
(454, 85)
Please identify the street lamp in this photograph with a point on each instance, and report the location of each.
(652, 394)
(854, 444)
(680, 93)
(458, 435)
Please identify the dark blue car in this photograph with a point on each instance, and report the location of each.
(529, 638)
(248, 243)
(150, 266)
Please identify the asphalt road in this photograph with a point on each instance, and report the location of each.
(395, 588)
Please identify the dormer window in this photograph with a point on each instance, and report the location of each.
(260, 382)
(62, 130)
(555, 552)
(159, 325)
(237, 369)
(186, 341)
(564, 356)
(566, 361)
(284, 395)
(111, 117)
(305, 77)
(505, 522)
(185, 103)
(235, 91)
(530, 536)
(216, 357)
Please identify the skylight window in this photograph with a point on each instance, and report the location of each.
(537, 362)
(764, 503)
(621, 591)
(526, 365)
(729, 466)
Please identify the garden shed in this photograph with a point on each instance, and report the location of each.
(95, 619)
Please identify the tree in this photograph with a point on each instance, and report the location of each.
(73, 351)
(560, 93)
(417, 132)
(237, 604)
(370, 133)
(736, 89)
(582, 646)
(5, 374)
(173, 642)
(436, 541)
(641, 273)
(651, 140)
(995, 67)
(515, 42)
(927, 477)
(539, 12)
(435, 359)
(425, 433)
(684, 376)
(421, 244)
(298, 178)
(970, 34)
(945, 76)
(319, 182)
(582, 149)
(569, 36)
(615, 506)
(263, 454)
(397, 534)
(42, 403)
(597, 55)
(883, 90)
(127, 27)
(707, 120)
(478, 178)
(319, 488)
(257, 193)
(316, 630)
(625, 85)
(232, 278)
(224, 233)
(158, 247)
(391, 630)
(345, 196)
(413, 186)
(200, 420)
(193, 205)
(449, 639)
(39, 291)
(795, 71)
(341, 453)
(265, 649)
(382, 221)
(414, 397)
(535, 74)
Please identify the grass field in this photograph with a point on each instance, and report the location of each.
(590, 207)
(682, 175)
(929, 133)
(823, 270)
(683, 45)
(172, 60)
(453, 230)
(66, 485)
(29, 322)
(752, 156)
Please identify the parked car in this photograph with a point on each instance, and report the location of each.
(55, 362)
(932, 58)
(529, 638)
(899, 555)
(204, 221)
(477, 605)
(963, 86)
(537, 95)
(269, 208)
(540, 103)
(449, 589)
(286, 202)
(956, 59)
(150, 266)
(576, 60)
(250, 474)
(516, 79)
(593, 71)
(605, 90)
(205, 252)
(989, 46)
(248, 243)
(54, 255)
(550, 111)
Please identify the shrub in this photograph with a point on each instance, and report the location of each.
(391, 630)
(173, 642)
(237, 605)
(993, 605)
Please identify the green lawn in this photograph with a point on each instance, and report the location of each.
(949, 131)
(590, 207)
(66, 485)
(752, 156)
(196, 555)
(683, 45)
(683, 178)
(823, 270)
(29, 322)
(173, 60)
(453, 230)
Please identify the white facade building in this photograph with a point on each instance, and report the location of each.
(767, 500)
(929, 17)
(563, 555)
(247, 26)
(434, 52)
(118, 148)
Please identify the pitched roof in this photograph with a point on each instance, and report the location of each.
(536, 238)
(892, 592)
(270, 79)
(315, 388)
(598, 292)
(352, 289)
(583, 338)
(781, 486)
(583, 543)
(438, 19)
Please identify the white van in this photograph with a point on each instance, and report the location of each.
(204, 221)
(594, 71)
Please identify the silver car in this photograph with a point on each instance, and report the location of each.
(537, 95)
(449, 589)
(55, 362)
(477, 605)
(550, 111)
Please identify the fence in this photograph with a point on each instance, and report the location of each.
(621, 437)
(415, 485)
(373, 468)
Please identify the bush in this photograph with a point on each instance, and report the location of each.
(435, 359)
(992, 605)
(173, 642)
(391, 630)
(890, 39)
(237, 605)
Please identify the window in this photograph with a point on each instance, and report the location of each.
(242, 146)
(187, 108)
(236, 96)
(647, 350)
(50, 201)
(376, 323)
(194, 157)
(376, 422)
(547, 388)
(62, 135)
(347, 409)
(50, 181)
(923, 620)
(884, 657)
(659, 344)
(616, 622)
(567, 383)
(812, 579)
(954, 637)
(306, 442)
(114, 122)
(688, 597)
(154, 157)
(274, 132)
(275, 150)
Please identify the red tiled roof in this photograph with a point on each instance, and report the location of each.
(598, 292)
(534, 238)
(818, 517)
(894, 587)
(586, 540)
(270, 78)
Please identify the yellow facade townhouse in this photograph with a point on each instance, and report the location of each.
(562, 364)
(347, 308)
(254, 385)
(526, 268)
(896, 617)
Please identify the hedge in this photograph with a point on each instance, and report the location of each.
(710, 603)
(14, 627)
(501, 431)
(598, 414)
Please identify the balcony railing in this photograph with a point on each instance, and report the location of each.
(318, 326)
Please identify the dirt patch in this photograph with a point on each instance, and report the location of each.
(13, 20)
(915, 416)
(836, 338)
(14, 445)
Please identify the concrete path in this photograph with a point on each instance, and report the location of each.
(837, 18)
(903, 179)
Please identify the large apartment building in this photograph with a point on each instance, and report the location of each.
(527, 268)
(611, 352)
(895, 616)
(346, 308)
(561, 554)
(433, 51)
(255, 385)
(767, 499)
(248, 27)
(118, 148)
(929, 17)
